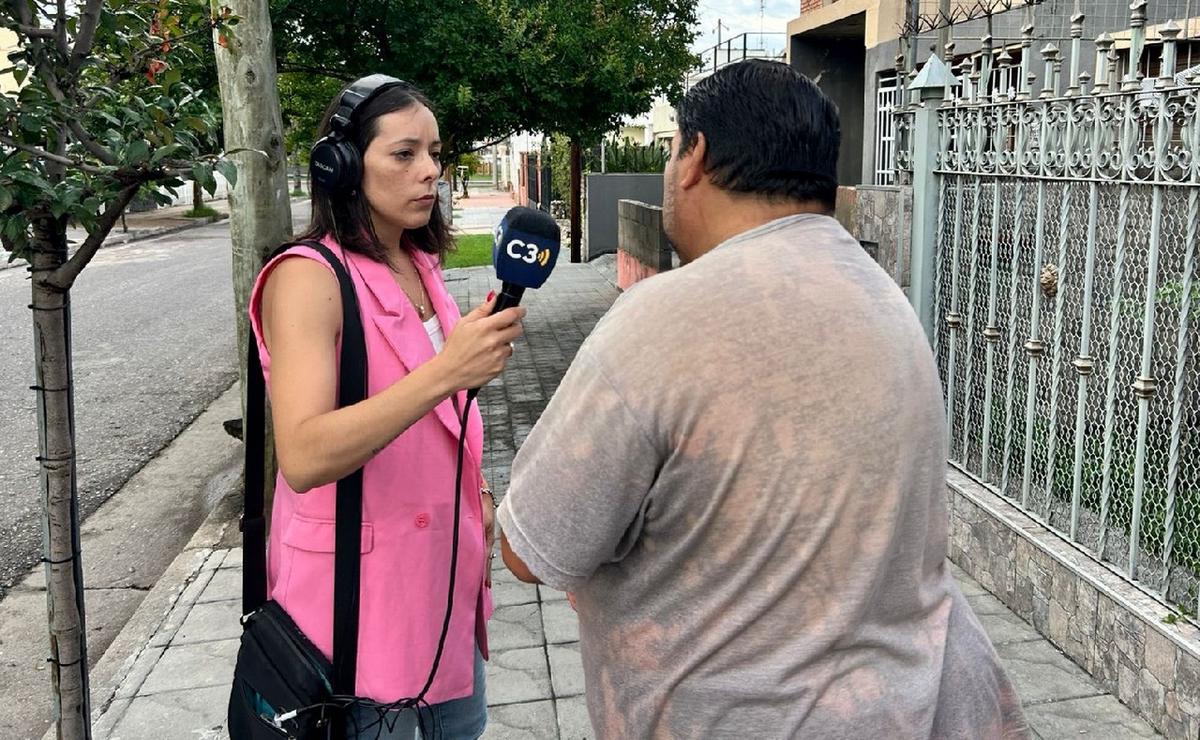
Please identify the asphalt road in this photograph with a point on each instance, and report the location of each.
(153, 347)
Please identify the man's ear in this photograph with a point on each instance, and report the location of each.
(691, 163)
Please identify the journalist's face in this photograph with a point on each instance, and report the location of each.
(400, 169)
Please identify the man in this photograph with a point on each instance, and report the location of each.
(742, 475)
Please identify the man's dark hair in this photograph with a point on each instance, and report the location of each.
(348, 216)
(770, 131)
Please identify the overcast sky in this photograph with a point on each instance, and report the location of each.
(743, 16)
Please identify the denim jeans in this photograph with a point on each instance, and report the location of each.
(457, 719)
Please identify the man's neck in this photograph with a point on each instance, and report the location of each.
(730, 215)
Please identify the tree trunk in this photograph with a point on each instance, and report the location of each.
(576, 199)
(197, 196)
(68, 661)
(259, 206)
(297, 188)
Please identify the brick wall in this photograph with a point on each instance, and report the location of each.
(807, 6)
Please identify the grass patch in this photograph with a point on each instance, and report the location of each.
(474, 250)
(201, 212)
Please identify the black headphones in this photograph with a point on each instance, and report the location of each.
(335, 163)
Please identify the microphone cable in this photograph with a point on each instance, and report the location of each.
(418, 703)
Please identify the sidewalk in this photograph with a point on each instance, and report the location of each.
(177, 685)
(480, 213)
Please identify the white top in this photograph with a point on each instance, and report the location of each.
(433, 328)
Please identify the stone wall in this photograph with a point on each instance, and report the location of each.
(880, 217)
(1127, 640)
(642, 246)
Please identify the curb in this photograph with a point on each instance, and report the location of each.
(137, 236)
(120, 660)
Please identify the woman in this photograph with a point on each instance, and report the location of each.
(388, 231)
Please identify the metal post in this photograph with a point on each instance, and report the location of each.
(930, 88)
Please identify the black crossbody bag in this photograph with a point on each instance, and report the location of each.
(283, 686)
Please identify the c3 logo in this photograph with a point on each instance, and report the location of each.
(531, 253)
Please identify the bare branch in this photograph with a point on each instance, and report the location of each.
(89, 19)
(89, 142)
(60, 29)
(64, 277)
(35, 32)
(51, 157)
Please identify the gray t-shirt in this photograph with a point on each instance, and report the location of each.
(742, 478)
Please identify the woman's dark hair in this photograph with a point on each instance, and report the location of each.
(347, 216)
(769, 131)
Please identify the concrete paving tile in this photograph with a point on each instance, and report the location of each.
(215, 559)
(226, 584)
(513, 593)
(1041, 674)
(985, 603)
(103, 727)
(560, 622)
(1005, 627)
(501, 574)
(545, 593)
(196, 666)
(1098, 717)
(573, 721)
(174, 714)
(233, 559)
(968, 585)
(528, 721)
(516, 627)
(142, 666)
(566, 670)
(180, 609)
(215, 620)
(516, 676)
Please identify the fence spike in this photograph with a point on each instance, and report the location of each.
(1049, 86)
(1137, 44)
(1076, 40)
(1104, 44)
(1025, 77)
(1170, 35)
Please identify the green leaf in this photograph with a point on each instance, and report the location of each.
(165, 151)
(139, 151)
(203, 174)
(6, 199)
(19, 74)
(229, 170)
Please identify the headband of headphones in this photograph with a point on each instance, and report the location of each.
(360, 92)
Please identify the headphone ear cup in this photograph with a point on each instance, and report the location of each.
(335, 165)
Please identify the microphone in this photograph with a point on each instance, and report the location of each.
(524, 250)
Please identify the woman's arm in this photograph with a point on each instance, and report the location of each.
(318, 443)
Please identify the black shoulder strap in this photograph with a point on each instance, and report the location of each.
(352, 388)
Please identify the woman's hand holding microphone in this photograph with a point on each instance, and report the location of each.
(480, 345)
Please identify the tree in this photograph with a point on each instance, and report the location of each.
(259, 208)
(452, 51)
(103, 111)
(303, 98)
(599, 62)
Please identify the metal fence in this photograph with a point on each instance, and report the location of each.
(1063, 225)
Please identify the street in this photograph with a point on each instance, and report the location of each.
(152, 326)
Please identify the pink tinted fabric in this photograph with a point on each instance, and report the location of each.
(408, 511)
